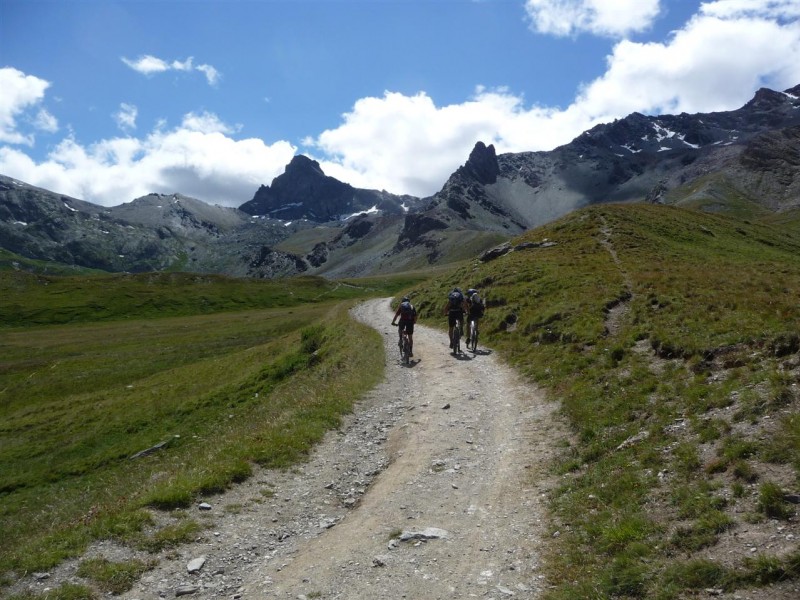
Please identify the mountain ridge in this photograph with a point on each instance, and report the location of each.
(308, 222)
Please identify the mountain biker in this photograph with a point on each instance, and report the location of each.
(475, 308)
(455, 309)
(408, 316)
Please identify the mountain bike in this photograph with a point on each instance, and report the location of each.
(473, 335)
(404, 344)
(457, 337)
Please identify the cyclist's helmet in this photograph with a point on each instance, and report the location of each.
(471, 291)
(405, 299)
(457, 289)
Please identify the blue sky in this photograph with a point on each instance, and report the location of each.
(110, 100)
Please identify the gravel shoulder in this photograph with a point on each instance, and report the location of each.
(435, 487)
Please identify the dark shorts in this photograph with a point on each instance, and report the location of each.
(405, 325)
(453, 316)
(475, 317)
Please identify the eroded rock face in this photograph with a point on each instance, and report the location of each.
(416, 226)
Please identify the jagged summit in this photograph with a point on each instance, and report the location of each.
(482, 164)
(303, 191)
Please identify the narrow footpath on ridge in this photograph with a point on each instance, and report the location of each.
(435, 487)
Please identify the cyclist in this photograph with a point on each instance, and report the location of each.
(455, 309)
(408, 316)
(476, 308)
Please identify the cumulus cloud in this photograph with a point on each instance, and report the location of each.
(407, 144)
(715, 62)
(195, 158)
(599, 17)
(126, 116)
(20, 93)
(149, 65)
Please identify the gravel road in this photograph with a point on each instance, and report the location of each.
(434, 487)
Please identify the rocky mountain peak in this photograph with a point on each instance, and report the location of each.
(303, 191)
(766, 99)
(482, 163)
(302, 166)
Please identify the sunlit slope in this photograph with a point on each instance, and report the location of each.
(670, 338)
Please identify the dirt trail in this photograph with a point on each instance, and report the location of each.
(466, 463)
(450, 449)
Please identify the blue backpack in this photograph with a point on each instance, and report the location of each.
(407, 311)
(456, 299)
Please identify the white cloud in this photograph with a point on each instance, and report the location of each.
(126, 116)
(149, 65)
(212, 75)
(406, 144)
(615, 18)
(206, 122)
(20, 93)
(715, 62)
(45, 121)
(183, 66)
(197, 159)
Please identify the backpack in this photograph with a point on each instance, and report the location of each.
(476, 305)
(407, 311)
(456, 299)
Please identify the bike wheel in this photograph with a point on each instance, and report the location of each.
(406, 350)
(457, 339)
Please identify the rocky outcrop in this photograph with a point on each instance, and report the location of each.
(482, 165)
(415, 227)
(356, 229)
(773, 159)
(269, 263)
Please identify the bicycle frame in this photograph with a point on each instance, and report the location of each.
(405, 347)
(457, 336)
(473, 335)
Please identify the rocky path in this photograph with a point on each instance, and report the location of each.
(434, 488)
(457, 512)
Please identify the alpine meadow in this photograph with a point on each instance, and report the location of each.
(644, 277)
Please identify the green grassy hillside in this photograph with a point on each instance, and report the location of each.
(670, 337)
(37, 299)
(96, 369)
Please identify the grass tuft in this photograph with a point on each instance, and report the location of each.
(112, 577)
